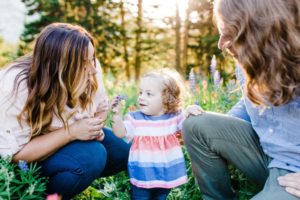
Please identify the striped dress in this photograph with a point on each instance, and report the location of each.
(155, 159)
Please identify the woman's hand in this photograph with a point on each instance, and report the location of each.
(193, 110)
(291, 182)
(87, 129)
(102, 109)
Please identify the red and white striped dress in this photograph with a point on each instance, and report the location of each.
(156, 159)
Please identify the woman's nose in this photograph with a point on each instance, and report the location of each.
(91, 70)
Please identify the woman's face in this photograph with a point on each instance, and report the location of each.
(90, 67)
(225, 40)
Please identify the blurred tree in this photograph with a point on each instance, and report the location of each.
(178, 38)
(125, 40)
(130, 39)
(97, 16)
(138, 43)
(202, 40)
(185, 39)
(202, 35)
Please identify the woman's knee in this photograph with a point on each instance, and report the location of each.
(91, 158)
(74, 168)
(95, 162)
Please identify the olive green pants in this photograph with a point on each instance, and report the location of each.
(214, 140)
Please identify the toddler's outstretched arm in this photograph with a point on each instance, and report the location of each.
(117, 125)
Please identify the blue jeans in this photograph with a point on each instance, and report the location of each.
(75, 166)
(138, 193)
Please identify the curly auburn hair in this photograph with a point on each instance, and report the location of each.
(265, 35)
(56, 76)
(172, 88)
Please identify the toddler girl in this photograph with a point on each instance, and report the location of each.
(156, 162)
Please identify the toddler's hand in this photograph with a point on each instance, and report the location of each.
(193, 110)
(116, 104)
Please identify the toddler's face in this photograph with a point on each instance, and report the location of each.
(150, 96)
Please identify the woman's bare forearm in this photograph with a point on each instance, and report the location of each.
(41, 147)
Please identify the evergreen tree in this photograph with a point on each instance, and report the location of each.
(99, 17)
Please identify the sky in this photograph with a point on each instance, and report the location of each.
(13, 15)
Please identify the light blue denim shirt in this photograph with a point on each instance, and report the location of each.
(278, 129)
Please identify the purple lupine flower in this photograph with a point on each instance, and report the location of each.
(23, 165)
(121, 98)
(197, 102)
(217, 78)
(213, 65)
(192, 81)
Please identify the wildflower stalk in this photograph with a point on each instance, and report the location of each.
(213, 65)
(193, 85)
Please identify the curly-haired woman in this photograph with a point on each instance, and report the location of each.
(261, 134)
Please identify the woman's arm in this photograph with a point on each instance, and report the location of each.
(41, 147)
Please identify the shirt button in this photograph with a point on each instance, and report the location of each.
(270, 130)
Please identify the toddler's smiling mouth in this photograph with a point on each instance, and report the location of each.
(142, 105)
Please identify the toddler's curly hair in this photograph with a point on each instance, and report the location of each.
(172, 92)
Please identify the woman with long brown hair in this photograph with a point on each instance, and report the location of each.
(53, 108)
(261, 134)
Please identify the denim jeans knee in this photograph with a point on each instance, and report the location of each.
(74, 167)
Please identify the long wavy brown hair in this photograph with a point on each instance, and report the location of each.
(56, 76)
(265, 35)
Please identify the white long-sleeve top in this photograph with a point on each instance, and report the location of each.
(13, 136)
